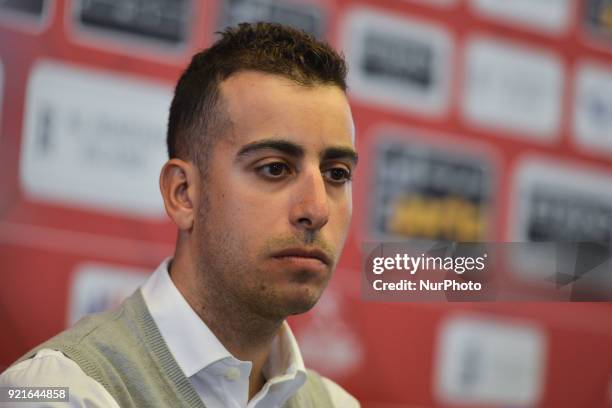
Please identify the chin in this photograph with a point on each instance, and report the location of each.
(302, 302)
(299, 308)
(287, 299)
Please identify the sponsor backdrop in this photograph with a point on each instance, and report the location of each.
(477, 120)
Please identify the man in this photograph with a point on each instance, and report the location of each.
(261, 146)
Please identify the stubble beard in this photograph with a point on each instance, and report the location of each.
(233, 284)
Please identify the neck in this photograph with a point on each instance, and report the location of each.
(245, 334)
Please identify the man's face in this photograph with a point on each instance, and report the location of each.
(276, 200)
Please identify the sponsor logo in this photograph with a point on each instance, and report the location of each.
(303, 15)
(94, 139)
(562, 203)
(513, 88)
(543, 15)
(25, 14)
(593, 107)
(556, 203)
(30, 7)
(563, 215)
(398, 62)
(164, 23)
(99, 287)
(599, 18)
(423, 192)
(489, 361)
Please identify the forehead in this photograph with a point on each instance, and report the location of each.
(263, 106)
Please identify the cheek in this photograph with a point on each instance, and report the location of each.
(347, 204)
(342, 217)
(246, 211)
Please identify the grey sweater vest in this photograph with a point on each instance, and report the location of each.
(123, 350)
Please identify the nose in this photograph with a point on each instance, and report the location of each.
(310, 208)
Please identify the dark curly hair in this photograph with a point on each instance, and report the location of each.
(197, 115)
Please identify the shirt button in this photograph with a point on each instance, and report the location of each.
(232, 374)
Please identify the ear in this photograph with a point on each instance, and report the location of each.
(178, 183)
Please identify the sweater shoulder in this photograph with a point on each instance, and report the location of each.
(91, 328)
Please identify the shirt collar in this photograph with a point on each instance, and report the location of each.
(193, 344)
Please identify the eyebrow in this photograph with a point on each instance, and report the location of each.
(297, 151)
(272, 144)
(340, 153)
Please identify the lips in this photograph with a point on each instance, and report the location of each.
(307, 253)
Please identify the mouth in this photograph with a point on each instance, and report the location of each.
(305, 254)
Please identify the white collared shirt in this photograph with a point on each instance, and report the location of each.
(221, 380)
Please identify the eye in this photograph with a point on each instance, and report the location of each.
(274, 170)
(337, 175)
